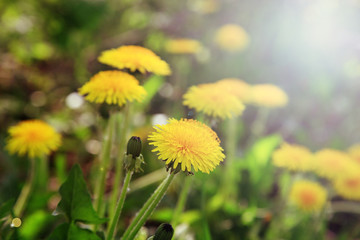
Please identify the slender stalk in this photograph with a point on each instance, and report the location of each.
(26, 190)
(104, 166)
(42, 176)
(147, 209)
(181, 201)
(259, 125)
(114, 221)
(119, 160)
(229, 185)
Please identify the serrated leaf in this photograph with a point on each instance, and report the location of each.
(75, 199)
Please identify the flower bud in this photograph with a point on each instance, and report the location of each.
(164, 232)
(133, 158)
(134, 147)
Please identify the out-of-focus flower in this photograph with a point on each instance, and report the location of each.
(135, 58)
(113, 87)
(34, 138)
(308, 196)
(183, 46)
(331, 163)
(293, 157)
(268, 95)
(232, 38)
(354, 152)
(348, 185)
(204, 6)
(213, 101)
(237, 87)
(185, 144)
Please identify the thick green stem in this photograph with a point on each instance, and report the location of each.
(119, 160)
(147, 209)
(104, 166)
(114, 221)
(181, 201)
(26, 190)
(229, 185)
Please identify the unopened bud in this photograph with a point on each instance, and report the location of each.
(164, 232)
(133, 158)
(134, 147)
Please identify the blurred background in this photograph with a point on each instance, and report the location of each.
(49, 48)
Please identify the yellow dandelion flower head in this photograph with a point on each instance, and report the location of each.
(213, 101)
(113, 87)
(331, 163)
(354, 152)
(232, 38)
(348, 185)
(187, 144)
(236, 87)
(293, 157)
(308, 196)
(183, 46)
(268, 95)
(135, 58)
(34, 138)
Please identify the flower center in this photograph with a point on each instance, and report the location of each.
(307, 198)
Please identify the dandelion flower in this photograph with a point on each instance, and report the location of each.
(33, 138)
(135, 58)
(331, 164)
(354, 152)
(183, 46)
(268, 95)
(113, 87)
(293, 157)
(308, 196)
(348, 185)
(232, 38)
(236, 87)
(185, 144)
(213, 101)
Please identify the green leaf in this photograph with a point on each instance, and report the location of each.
(152, 86)
(60, 232)
(34, 224)
(71, 231)
(76, 233)
(260, 154)
(75, 199)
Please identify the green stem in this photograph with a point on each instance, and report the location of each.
(120, 204)
(119, 160)
(42, 174)
(147, 209)
(259, 125)
(26, 190)
(182, 201)
(104, 166)
(229, 184)
(205, 226)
